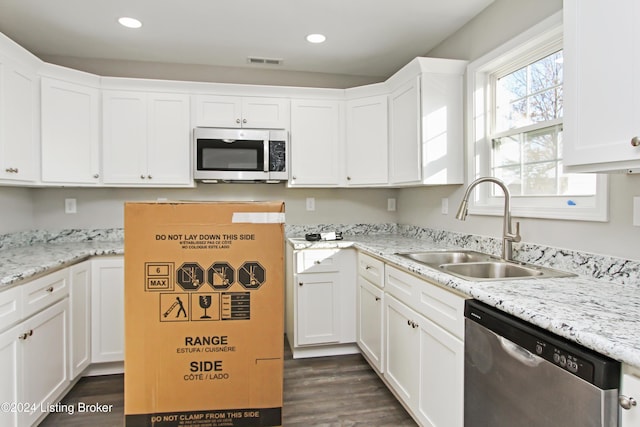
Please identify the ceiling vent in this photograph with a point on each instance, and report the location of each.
(264, 61)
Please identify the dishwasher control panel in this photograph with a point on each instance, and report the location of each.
(564, 359)
(578, 360)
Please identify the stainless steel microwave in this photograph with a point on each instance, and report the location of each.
(233, 155)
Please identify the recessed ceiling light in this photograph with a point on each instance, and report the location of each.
(129, 22)
(316, 38)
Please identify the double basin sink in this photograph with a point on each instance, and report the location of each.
(477, 266)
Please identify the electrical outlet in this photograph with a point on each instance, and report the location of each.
(391, 204)
(311, 203)
(636, 211)
(445, 206)
(70, 206)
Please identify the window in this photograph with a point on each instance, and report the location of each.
(515, 133)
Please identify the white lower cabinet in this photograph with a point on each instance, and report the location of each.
(11, 373)
(420, 349)
(370, 310)
(424, 366)
(107, 310)
(370, 322)
(630, 392)
(33, 364)
(44, 358)
(80, 318)
(320, 300)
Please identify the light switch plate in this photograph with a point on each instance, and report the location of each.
(636, 211)
(70, 206)
(391, 204)
(445, 206)
(311, 203)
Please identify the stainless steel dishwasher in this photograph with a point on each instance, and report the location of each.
(516, 374)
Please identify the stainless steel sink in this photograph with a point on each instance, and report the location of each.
(477, 266)
(492, 270)
(447, 257)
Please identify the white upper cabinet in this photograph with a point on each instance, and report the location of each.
(317, 134)
(146, 139)
(404, 126)
(247, 112)
(425, 123)
(18, 114)
(602, 86)
(367, 141)
(70, 120)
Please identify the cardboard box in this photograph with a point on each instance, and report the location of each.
(204, 303)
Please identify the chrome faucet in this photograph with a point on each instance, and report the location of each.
(508, 237)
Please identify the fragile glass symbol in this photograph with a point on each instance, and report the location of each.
(205, 302)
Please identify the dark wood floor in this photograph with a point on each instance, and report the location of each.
(335, 391)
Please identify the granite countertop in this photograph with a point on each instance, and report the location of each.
(20, 263)
(603, 316)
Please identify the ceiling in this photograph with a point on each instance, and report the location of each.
(364, 37)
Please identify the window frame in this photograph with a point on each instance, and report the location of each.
(527, 46)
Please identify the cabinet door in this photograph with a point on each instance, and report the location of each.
(402, 341)
(80, 318)
(441, 389)
(218, 111)
(601, 85)
(318, 308)
(630, 388)
(316, 135)
(107, 310)
(44, 358)
(11, 373)
(125, 137)
(265, 113)
(70, 124)
(18, 122)
(404, 130)
(168, 150)
(367, 141)
(370, 325)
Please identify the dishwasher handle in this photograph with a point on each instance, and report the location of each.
(519, 353)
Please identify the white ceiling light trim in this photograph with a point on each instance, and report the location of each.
(129, 22)
(316, 38)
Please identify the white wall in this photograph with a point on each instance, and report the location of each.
(104, 207)
(421, 206)
(260, 75)
(16, 210)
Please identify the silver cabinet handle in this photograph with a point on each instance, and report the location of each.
(626, 402)
(377, 298)
(237, 120)
(635, 141)
(149, 176)
(142, 177)
(11, 170)
(348, 178)
(244, 120)
(50, 289)
(26, 335)
(300, 284)
(96, 176)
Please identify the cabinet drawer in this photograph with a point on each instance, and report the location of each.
(401, 285)
(10, 307)
(371, 269)
(44, 291)
(443, 307)
(437, 304)
(317, 261)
